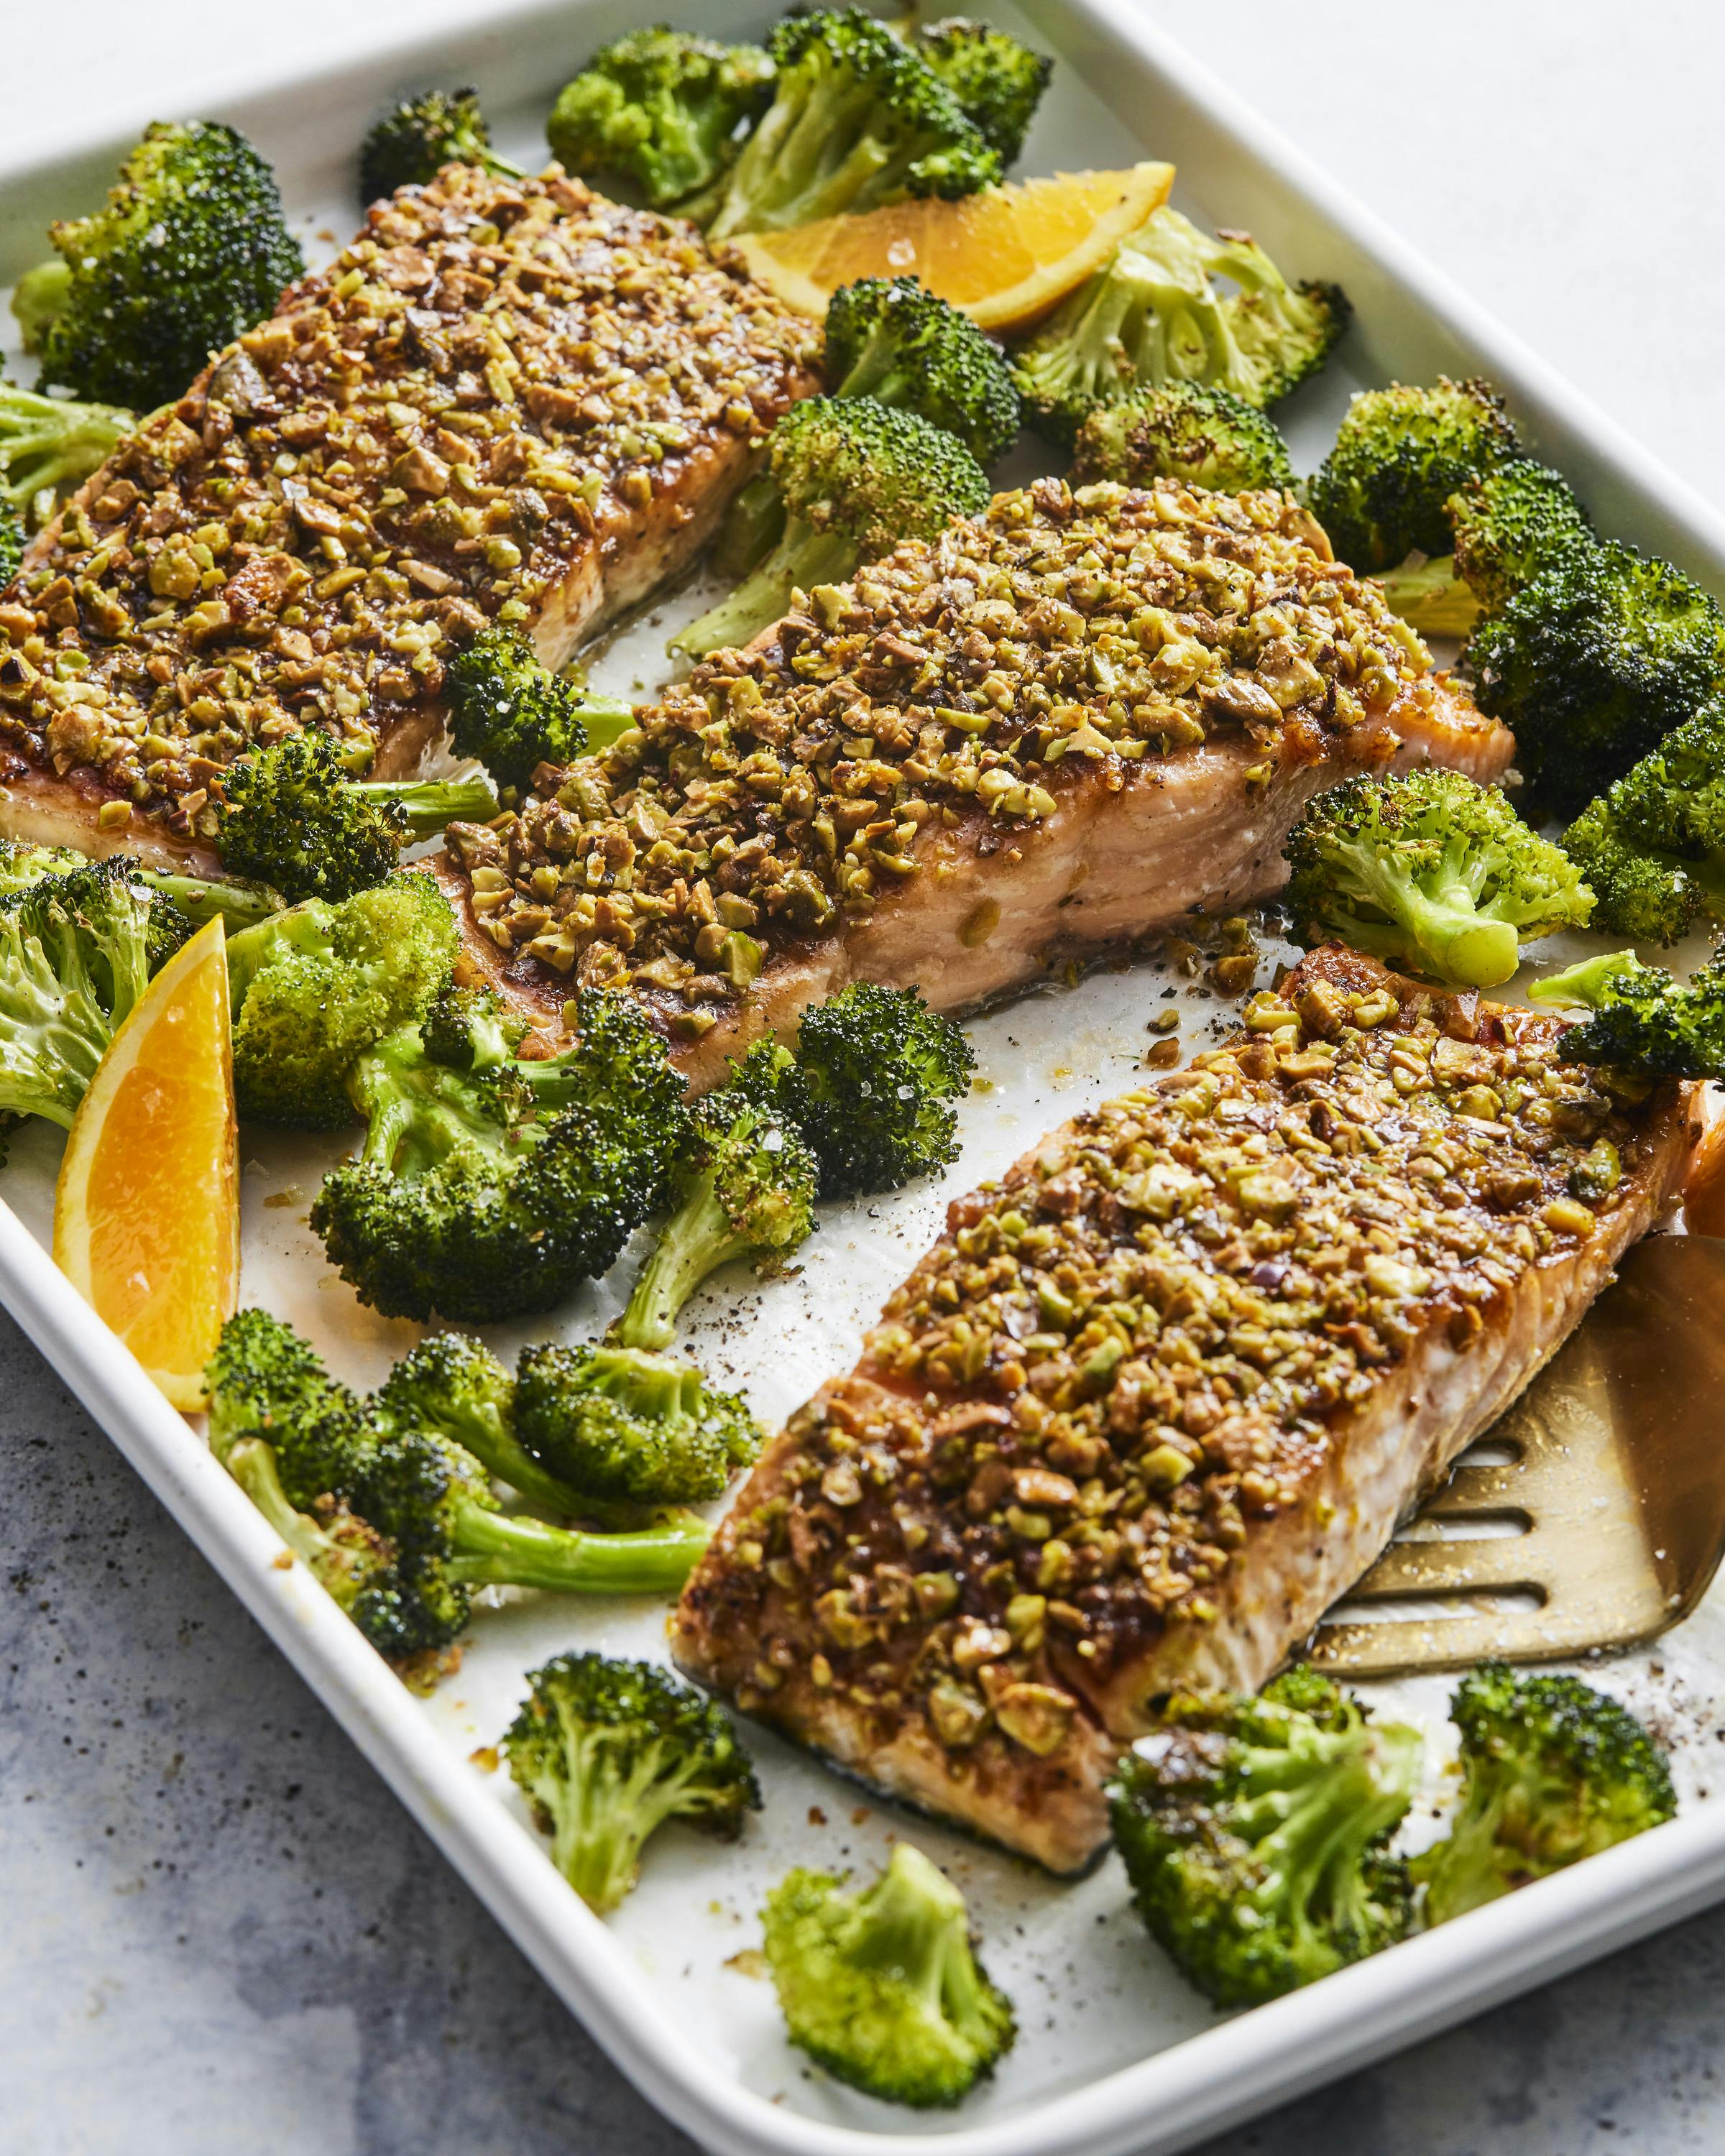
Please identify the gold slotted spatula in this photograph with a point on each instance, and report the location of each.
(1601, 1519)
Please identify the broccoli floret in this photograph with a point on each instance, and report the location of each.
(290, 815)
(189, 249)
(999, 83)
(1182, 430)
(266, 1382)
(856, 120)
(76, 949)
(48, 445)
(663, 108)
(892, 339)
(1253, 1830)
(1643, 1021)
(12, 542)
(857, 478)
(1516, 519)
(745, 1187)
(873, 1087)
(345, 1554)
(1653, 844)
(1594, 664)
(606, 1751)
(190, 901)
(1399, 454)
(511, 714)
(1151, 316)
(625, 1425)
(883, 1986)
(1431, 872)
(464, 1202)
(1552, 1771)
(455, 1388)
(471, 1029)
(413, 142)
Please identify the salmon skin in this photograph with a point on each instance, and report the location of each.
(506, 399)
(1161, 1395)
(1061, 726)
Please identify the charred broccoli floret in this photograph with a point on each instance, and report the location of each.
(48, 445)
(1254, 1833)
(625, 1425)
(267, 1382)
(473, 1197)
(1552, 1771)
(189, 249)
(744, 1188)
(856, 120)
(1182, 430)
(315, 987)
(511, 714)
(1151, 316)
(1643, 1021)
(414, 141)
(1431, 872)
(999, 83)
(892, 339)
(606, 1751)
(1515, 521)
(1653, 844)
(856, 478)
(290, 815)
(1399, 454)
(883, 1986)
(664, 109)
(1594, 663)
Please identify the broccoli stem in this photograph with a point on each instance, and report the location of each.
(251, 1463)
(612, 1801)
(500, 1453)
(1466, 947)
(802, 558)
(430, 805)
(241, 904)
(918, 1928)
(494, 1549)
(700, 1237)
(753, 525)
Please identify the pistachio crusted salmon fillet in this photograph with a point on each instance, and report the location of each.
(1161, 1394)
(507, 400)
(1061, 725)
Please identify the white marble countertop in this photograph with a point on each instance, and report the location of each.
(220, 1932)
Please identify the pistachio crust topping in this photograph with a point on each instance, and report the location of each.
(494, 380)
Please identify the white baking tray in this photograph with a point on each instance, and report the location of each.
(1115, 2053)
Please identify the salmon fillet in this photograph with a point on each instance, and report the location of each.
(1074, 721)
(506, 398)
(1161, 1395)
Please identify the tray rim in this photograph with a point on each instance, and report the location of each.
(1200, 2085)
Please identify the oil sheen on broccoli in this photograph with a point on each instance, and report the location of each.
(1254, 1833)
(662, 109)
(189, 249)
(1203, 436)
(1552, 1771)
(882, 1986)
(1431, 872)
(607, 1752)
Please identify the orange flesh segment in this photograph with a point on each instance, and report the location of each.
(147, 1215)
(1006, 256)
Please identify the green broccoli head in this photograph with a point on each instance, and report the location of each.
(606, 1751)
(745, 1189)
(470, 1028)
(999, 83)
(1593, 664)
(1653, 844)
(1509, 524)
(315, 987)
(1552, 1771)
(267, 1382)
(12, 542)
(1150, 317)
(1254, 1833)
(892, 339)
(511, 714)
(857, 478)
(414, 139)
(1643, 1021)
(856, 120)
(626, 1426)
(663, 109)
(882, 1986)
(189, 249)
(48, 445)
(1431, 872)
(1182, 430)
(1399, 454)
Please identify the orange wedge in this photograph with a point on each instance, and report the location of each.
(1007, 256)
(146, 1214)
